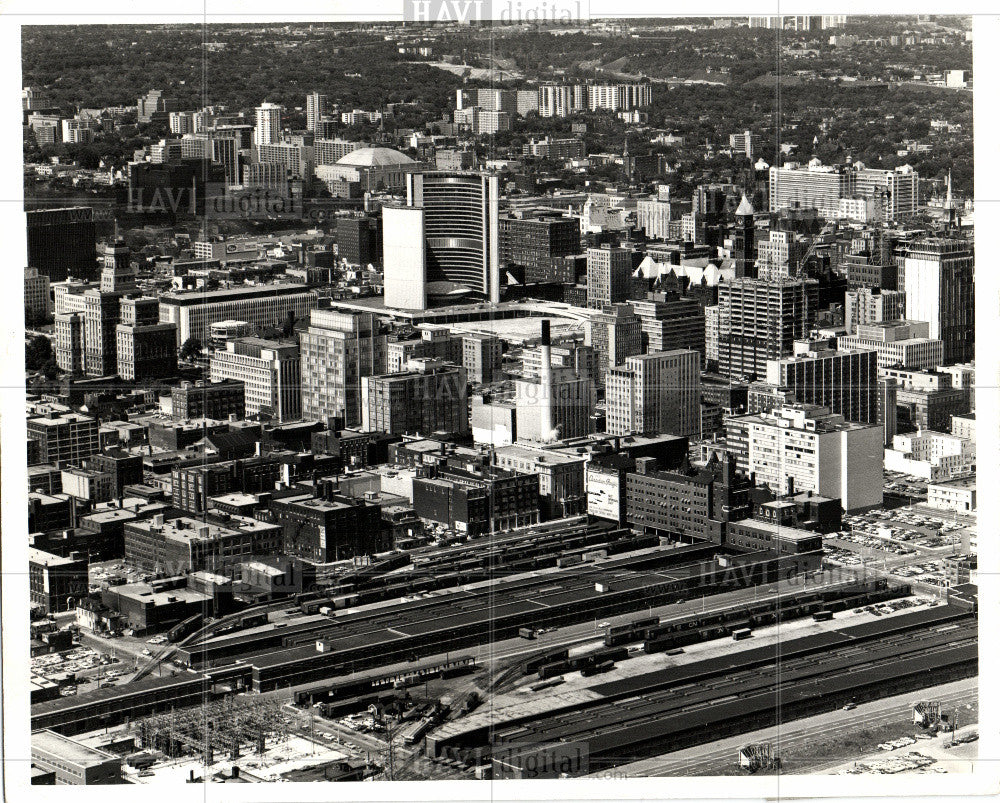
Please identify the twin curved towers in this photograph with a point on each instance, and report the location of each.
(444, 240)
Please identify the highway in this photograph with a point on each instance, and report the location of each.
(711, 758)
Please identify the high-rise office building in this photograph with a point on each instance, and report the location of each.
(761, 320)
(898, 343)
(431, 396)
(359, 240)
(446, 236)
(712, 335)
(336, 351)
(536, 242)
(670, 322)
(117, 273)
(37, 299)
(101, 316)
(481, 356)
(937, 276)
(609, 273)
(844, 381)
(145, 348)
(616, 335)
(653, 215)
(267, 124)
(69, 342)
(802, 448)
(654, 393)
(744, 235)
(257, 306)
(270, 373)
(63, 242)
(872, 305)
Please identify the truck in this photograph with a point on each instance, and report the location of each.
(741, 633)
(526, 632)
(822, 616)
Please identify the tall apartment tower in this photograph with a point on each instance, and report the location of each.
(655, 394)
(609, 269)
(317, 105)
(446, 235)
(761, 320)
(336, 351)
(267, 124)
(937, 276)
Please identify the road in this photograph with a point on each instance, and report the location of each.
(710, 758)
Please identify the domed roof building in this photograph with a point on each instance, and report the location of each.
(372, 169)
(375, 157)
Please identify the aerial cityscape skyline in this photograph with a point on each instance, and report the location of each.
(581, 399)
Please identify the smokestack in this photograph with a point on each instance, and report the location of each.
(545, 424)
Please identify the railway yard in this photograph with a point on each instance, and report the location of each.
(594, 667)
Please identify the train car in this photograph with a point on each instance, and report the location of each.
(532, 664)
(185, 628)
(553, 669)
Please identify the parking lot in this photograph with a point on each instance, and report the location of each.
(901, 531)
(78, 667)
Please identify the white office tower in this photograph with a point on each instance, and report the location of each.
(267, 127)
(403, 254)
(653, 394)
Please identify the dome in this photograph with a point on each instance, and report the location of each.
(375, 157)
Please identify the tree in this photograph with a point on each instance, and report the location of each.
(49, 369)
(37, 353)
(190, 349)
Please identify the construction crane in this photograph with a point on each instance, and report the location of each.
(829, 228)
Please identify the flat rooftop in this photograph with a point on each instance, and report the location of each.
(143, 592)
(963, 483)
(41, 558)
(781, 530)
(56, 744)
